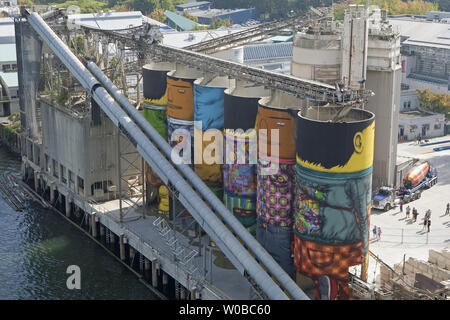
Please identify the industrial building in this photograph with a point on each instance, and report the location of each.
(414, 123)
(425, 49)
(206, 15)
(206, 231)
(8, 69)
(321, 53)
(236, 16)
(178, 22)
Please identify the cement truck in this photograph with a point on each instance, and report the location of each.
(420, 177)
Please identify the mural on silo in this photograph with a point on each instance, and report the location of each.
(155, 112)
(180, 98)
(332, 209)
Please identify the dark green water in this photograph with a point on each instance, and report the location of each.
(37, 246)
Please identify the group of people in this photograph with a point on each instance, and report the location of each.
(415, 213)
(376, 232)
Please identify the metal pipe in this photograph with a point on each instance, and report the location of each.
(151, 154)
(266, 259)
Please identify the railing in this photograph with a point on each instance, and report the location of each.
(412, 236)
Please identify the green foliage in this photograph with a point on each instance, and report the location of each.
(199, 27)
(77, 44)
(62, 97)
(25, 2)
(158, 15)
(86, 6)
(217, 23)
(8, 134)
(188, 16)
(439, 103)
(14, 117)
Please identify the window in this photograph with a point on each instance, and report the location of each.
(55, 168)
(71, 180)
(6, 67)
(47, 164)
(409, 104)
(63, 174)
(80, 185)
(437, 126)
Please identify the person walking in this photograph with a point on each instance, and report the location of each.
(374, 232)
(425, 223)
(408, 210)
(414, 214)
(379, 232)
(428, 214)
(401, 205)
(448, 209)
(429, 224)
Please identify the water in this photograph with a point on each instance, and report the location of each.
(37, 246)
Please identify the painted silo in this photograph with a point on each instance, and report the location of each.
(242, 100)
(155, 111)
(155, 95)
(208, 116)
(181, 134)
(240, 176)
(334, 184)
(277, 176)
(279, 112)
(240, 181)
(180, 92)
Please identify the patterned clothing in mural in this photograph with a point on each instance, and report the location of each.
(276, 193)
(333, 208)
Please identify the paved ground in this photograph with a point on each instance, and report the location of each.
(415, 243)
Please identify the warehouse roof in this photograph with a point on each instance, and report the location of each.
(180, 21)
(423, 33)
(192, 4)
(187, 38)
(267, 51)
(7, 33)
(108, 20)
(7, 52)
(10, 79)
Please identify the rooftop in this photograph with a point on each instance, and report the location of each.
(182, 22)
(7, 33)
(187, 38)
(192, 4)
(211, 13)
(420, 32)
(268, 51)
(414, 114)
(10, 79)
(7, 52)
(108, 20)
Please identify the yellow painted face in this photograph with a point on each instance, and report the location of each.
(361, 159)
(158, 102)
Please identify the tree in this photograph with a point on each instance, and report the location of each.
(145, 6)
(158, 15)
(188, 16)
(86, 6)
(439, 103)
(217, 23)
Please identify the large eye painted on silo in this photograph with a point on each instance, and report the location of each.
(357, 142)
